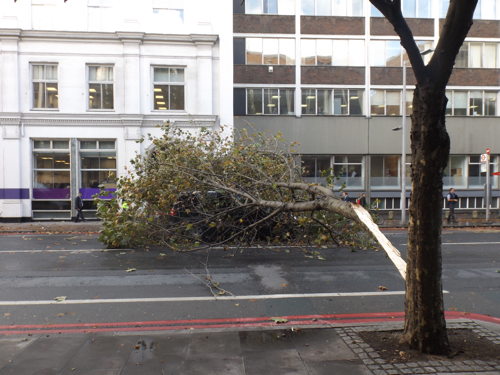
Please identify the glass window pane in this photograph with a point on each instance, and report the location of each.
(340, 53)
(393, 53)
(339, 8)
(444, 8)
(38, 72)
(253, 6)
(340, 101)
(308, 47)
(357, 8)
(52, 95)
(377, 107)
(355, 102)
(324, 51)
(409, 8)
(409, 102)
(287, 102)
(160, 93)
(449, 103)
(176, 99)
(108, 162)
(271, 100)
(309, 101)
(270, 51)
(287, 51)
(60, 145)
(107, 179)
(489, 55)
(324, 102)
(490, 101)
(308, 7)
(356, 53)
(254, 101)
(475, 55)
(460, 103)
(270, 6)
(176, 75)
(323, 8)
(95, 95)
(89, 162)
(476, 103)
(106, 145)
(41, 144)
(38, 95)
(462, 59)
(161, 75)
(90, 179)
(424, 9)
(254, 50)
(88, 145)
(377, 57)
(51, 72)
(393, 99)
(107, 96)
(286, 6)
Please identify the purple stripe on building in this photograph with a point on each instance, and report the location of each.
(88, 193)
(14, 194)
(57, 193)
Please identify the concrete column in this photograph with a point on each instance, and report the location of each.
(9, 72)
(131, 72)
(204, 80)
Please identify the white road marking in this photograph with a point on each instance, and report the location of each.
(471, 243)
(195, 299)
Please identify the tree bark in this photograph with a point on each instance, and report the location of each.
(425, 325)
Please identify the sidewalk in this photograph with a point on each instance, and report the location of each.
(283, 350)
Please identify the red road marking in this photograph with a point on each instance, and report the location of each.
(169, 325)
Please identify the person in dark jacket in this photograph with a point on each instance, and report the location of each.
(452, 200)
(79, 208)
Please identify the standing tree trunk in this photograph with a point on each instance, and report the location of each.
(425, 325)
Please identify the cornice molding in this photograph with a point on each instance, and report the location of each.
(121, 36)
(78, 120)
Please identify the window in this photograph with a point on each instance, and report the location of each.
(332, 102)
(315, 168)
(45, 86)
(353, 8)
(477, 178)
(471, 103)
(269, 51)
(336, 52)
(168, 88)
(270, 101)
(487, 9)
(97, 166)
(384, 171)
(411, 9)
(385, 53)
(388, 102)
(478, 55)
(270, 7)
(348, 170)
(51, 169)
(454, 173)
(100, 87)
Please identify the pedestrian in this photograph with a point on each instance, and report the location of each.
(345, 196)
(79, 208)
(362, 200)
(451, 199)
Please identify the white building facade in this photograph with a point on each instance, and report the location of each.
(82, 81)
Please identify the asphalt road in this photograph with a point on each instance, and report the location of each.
(113, 286)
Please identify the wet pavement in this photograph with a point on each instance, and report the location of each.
(291, 350)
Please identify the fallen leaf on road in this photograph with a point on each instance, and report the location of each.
(6, 314)
(320, 257)
(381, 287)
(163, 254)
(131, 270)
(284, 285)
(60, 315)
(60, 298)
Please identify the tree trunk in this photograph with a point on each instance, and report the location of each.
(425, 325)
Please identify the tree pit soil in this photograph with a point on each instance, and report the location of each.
(465, 345)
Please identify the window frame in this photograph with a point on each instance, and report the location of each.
(44, 81)
(169, 84)
(278, 101)
(101, 83)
